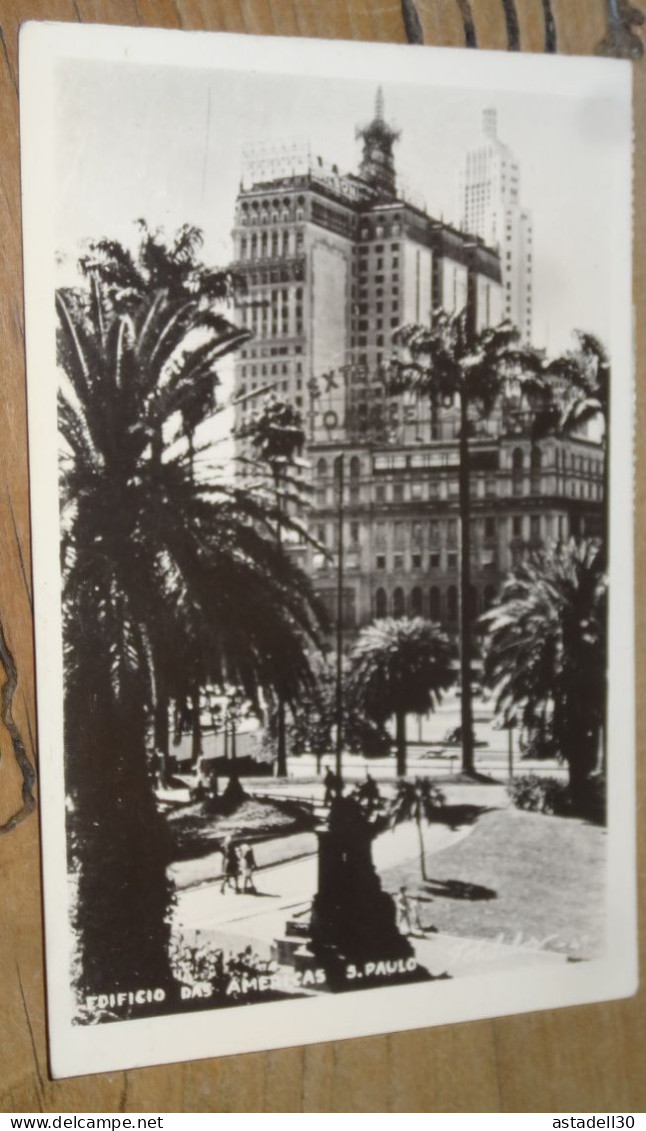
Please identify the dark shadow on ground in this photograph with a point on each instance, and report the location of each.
(459, 889)
(262, 894)
(460, 778)
(456, 815)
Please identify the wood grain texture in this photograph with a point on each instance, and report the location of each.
(583, 1059)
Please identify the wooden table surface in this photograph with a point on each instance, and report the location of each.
(584, 1059)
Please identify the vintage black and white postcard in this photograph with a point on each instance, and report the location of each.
(330, 409)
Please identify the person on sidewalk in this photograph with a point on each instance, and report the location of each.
(408, 919)
(230, 866)
(248, 866)
(330, 783)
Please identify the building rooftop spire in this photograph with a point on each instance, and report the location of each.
(378, 163)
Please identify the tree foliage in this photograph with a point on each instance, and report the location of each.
(400, 667)
(450, 363)
(419, 801)
(276, 432)
(170, 580)
(545, 651)
(448, 360)
(313, 718)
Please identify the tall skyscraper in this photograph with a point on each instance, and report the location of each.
(490, 207)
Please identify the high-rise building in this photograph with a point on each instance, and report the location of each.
(334, 263)
(491, 208)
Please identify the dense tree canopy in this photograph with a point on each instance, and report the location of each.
(400, 667)
(171, 579)
(450, 363)
(545, 654)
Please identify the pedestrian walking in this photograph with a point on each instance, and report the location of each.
(248, 867)
(330, 783)
(408, 919)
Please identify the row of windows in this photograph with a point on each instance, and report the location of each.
(272, 245)
(290, 271)
(362, 309)
(380, 231)
(447, 489)
(273, 370)
(378, 249)
(378, 266)
(272, 212)
(274, 351)
(399, 561)
(444, 532)
(437, 605)
(584, 465)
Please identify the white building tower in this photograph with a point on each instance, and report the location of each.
(490, 208)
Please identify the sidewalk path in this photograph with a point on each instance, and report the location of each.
(291, 884)
(233, 921)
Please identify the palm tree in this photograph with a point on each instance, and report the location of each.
(159, 263)
(417, 801)
(399, 667)
(545, 652)
(170, 581)
(277, 434)
(451, 362)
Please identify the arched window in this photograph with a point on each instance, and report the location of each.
(398, 603)
(434, 603)
(452, 602)
(355, 471)
(416, 603)
(263, 245)
(321, 468)
(285, 244)
(536, 465)
(274, 244)
(517, 459)
(381, 604)
(254, 246)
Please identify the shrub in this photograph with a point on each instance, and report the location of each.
(539, 794)
(549, 795)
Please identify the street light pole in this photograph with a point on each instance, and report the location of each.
(339, 467)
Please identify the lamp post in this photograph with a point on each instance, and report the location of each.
(510, 748)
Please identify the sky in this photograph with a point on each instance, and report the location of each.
(165, 143)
